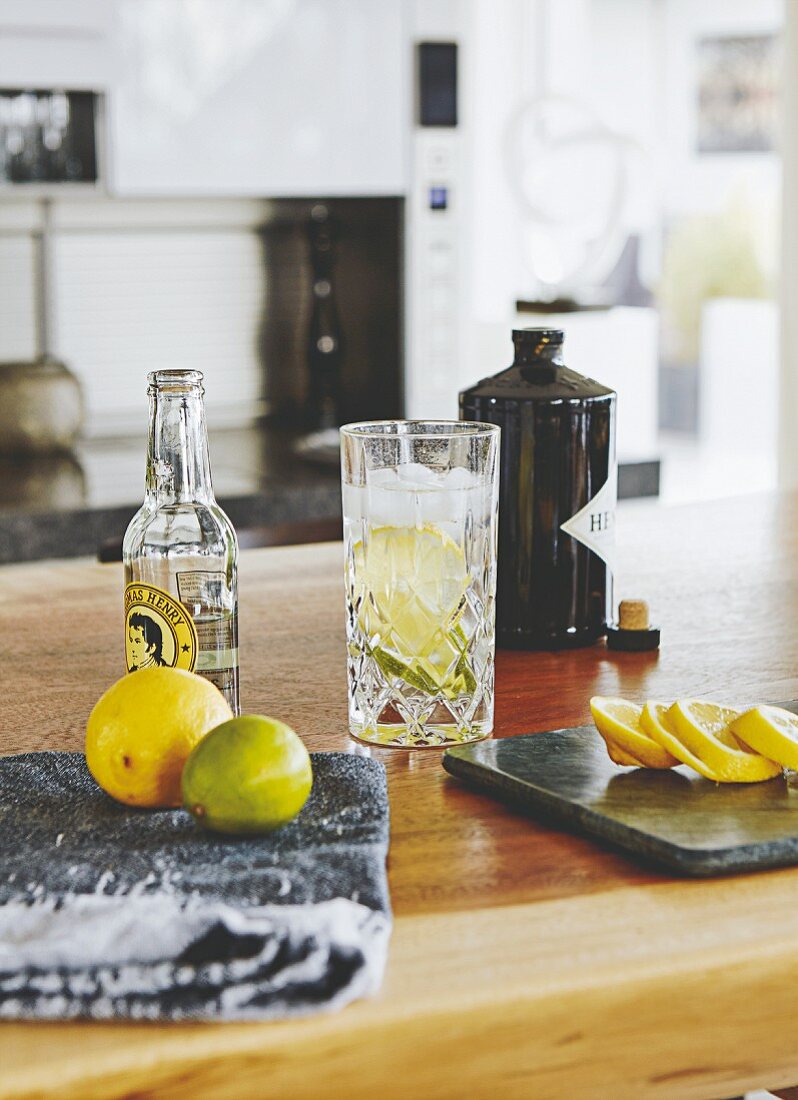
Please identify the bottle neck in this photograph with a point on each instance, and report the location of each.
(178, 467)
(539, 360)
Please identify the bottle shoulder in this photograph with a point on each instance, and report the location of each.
(137, 524)
(564, 385)
(150, 511)
(200, 524)
(223, 518)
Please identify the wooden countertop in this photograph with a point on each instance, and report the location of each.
(524, 960)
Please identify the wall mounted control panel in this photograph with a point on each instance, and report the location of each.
(434, 213)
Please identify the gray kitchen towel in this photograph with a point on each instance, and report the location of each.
(108, 912)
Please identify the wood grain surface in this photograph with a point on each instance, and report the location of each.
(524, 959)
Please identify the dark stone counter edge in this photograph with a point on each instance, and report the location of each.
(32, 536)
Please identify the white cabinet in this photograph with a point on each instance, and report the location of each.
(56, 43)
(259, 97)
(229, 97)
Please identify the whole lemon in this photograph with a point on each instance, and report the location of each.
(143, 728)
(249, 775)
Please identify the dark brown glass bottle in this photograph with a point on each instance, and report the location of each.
(557, 494)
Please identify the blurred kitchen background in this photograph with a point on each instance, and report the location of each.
(339, 209)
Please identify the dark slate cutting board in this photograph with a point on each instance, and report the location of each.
(673, 817)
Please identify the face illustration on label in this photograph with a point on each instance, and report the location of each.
(158, 630)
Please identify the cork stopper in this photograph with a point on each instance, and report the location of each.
(633, 615)
(633, 632)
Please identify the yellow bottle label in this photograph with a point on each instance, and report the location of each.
(158, 630)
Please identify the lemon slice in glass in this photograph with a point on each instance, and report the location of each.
(411, 584)
(618, 722)
(771, 731)
(703, 728)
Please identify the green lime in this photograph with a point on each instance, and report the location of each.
(249, 775)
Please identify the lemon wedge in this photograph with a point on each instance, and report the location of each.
(654, 720)
(771, 731)
(703, 729)
(618, 722)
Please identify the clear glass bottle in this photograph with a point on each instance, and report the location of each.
(180, 551)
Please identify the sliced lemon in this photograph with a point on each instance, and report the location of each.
(703, 728)
(410, 585)
(618, 756)
(771, 731)
(618, 722)
(654, 720)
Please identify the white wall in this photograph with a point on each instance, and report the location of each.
(17, 302)
(260, 97)
(699, 182)
(600, 52)
(788, 436)
(635, 62)
(603, 53)
(52, 43)
(496, 81)
(140, 286)
(229, 97)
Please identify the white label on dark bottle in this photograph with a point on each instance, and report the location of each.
(594, 525)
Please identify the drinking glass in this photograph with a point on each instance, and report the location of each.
(420, 501)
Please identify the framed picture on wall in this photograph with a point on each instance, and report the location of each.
(737, 94)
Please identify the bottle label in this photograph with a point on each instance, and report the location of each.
(594, 525)
(201, 588)
(159, 631)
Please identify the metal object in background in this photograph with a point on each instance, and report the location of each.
(41, 403)
(40, 483)
(437, 255)
(363, 237)
(49, 140)
(325, 350)
(41, 407)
